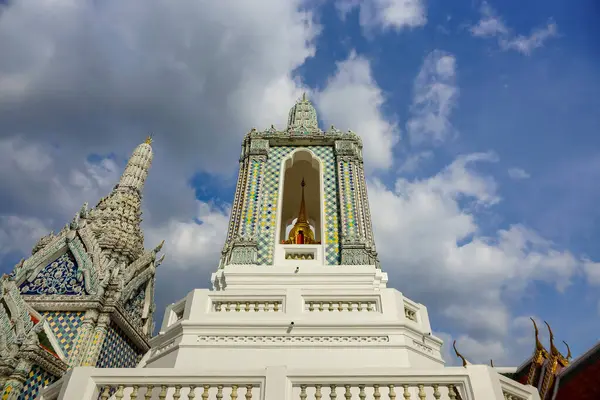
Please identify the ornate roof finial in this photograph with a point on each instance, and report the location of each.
(492, 363)
(303, 116)
(464, 360)
(149, 139)
(569, 355)
(553, 349)
(137, 167)
(116, 219)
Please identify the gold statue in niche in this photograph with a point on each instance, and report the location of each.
(302, 233)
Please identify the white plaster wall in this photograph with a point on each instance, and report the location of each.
(379, 335)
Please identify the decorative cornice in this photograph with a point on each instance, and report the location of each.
(45, 360)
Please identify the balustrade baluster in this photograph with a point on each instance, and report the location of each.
(333, 393)
(177, 393)
(192, 395)
(105, 393)
(256, 306)
(436, 391)
(330, 306)
(119, 394)
(247, 306)
(360, 306)
(134, 392)
(148, 394)
(451, 392)
(376, 394)
(361, 392)
(422, 392)
(318, 394)
(321, 306)
(392, 393)
(219, 392)
(303, 392)
(340, 306)
(163, 392)
(406, 393)
(276, 306)
(248, 392)
(311, 306)
(205, 393)
(234, 394)
(237, 306)
(347, 395)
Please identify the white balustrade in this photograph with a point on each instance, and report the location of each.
(248, 306)
(278, 383)
(340, 305)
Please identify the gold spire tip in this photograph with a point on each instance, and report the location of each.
(148, 139)
(303, 183)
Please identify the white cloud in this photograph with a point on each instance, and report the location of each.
(386, 14)
(191, 244)
(592, 271)
(526, 44)
(414, 161)
(19, 233)
(435, 96)
(518, 173)
(491, 25)
(429, 237)
(353, 100)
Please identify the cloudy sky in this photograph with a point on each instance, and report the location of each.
(479, 119)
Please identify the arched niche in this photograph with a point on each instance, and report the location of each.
(301, 164)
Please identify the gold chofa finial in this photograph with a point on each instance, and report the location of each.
(149, 139)
(464, 360)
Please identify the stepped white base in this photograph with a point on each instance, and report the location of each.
(340, 319)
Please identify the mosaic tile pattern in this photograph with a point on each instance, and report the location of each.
(37, 379)
(61, 276)
(118, 351)
(65, 326)
(270, 195)
(135, 305)
(348, 186)
(252, 200)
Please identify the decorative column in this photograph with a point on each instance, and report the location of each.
(367, 224)
(244, 246)
(236, 208)
(95, 345)
(357, 236)
(15, 382)
(84, 338)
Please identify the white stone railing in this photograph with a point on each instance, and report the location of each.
(476, 382)
(342, 305)
(248, 306)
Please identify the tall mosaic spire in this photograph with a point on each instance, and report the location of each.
(116, 219)
(85, 296)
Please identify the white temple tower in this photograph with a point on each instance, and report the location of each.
(299, 282)
(299, 307)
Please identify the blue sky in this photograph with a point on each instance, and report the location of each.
(479, 123)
